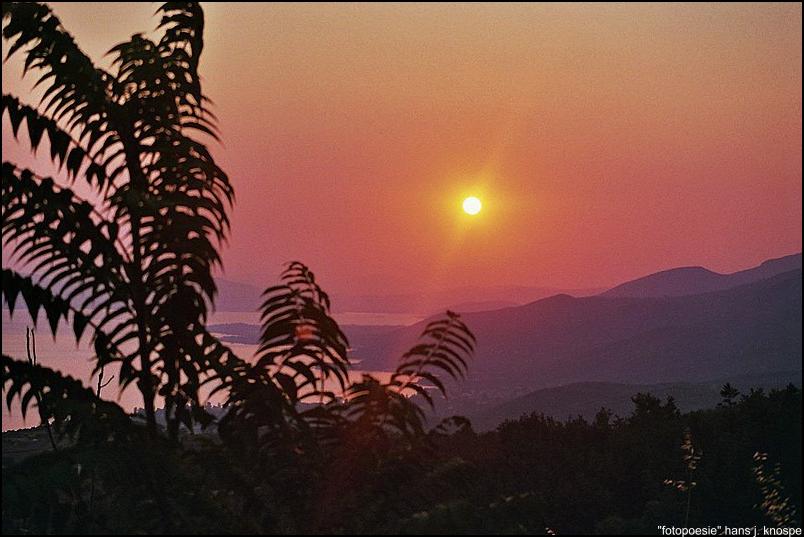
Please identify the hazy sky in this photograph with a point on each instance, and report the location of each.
(606, 141)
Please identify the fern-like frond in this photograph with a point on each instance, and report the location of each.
(444, 347)
(57, 308)
(77, 94)
(65, 150)
(69, 249)
(76, 410)
(282, 397)
(381, 409)
(300, 344)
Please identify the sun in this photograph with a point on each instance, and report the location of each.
(472, 205)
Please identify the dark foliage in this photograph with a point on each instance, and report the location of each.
(75, 410)
(133, 265)
(529, 476)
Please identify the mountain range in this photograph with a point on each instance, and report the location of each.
(696, 280)
(668, 331)
(754, 327)
(238, 296)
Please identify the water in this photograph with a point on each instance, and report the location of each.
(76, 359)
(343, 318)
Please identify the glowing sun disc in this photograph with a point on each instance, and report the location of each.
(472, 205)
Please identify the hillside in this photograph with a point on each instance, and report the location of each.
(696, 280)
(587, 398)
(753, 328)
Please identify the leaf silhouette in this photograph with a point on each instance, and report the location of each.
(134, 266)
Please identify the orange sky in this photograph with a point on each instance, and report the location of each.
(606, 141)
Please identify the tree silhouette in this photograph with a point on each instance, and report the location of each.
(729, 394)
(132, 263)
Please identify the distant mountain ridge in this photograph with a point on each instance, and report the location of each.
(464, 299)
(685, 281)
(682, 281)
(753, 328)
(238, 296)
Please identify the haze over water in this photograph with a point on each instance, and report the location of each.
(64, 355)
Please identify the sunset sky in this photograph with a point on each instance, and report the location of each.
(605, 141)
